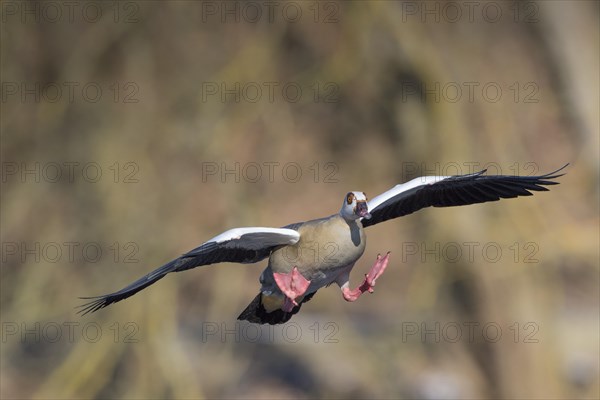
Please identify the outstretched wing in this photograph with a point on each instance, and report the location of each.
(448, 191)
(242, 245)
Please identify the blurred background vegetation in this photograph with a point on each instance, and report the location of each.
(161, 91)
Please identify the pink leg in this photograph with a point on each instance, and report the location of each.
(367, 286)
(293, 285)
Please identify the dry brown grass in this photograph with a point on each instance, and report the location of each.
(370, 132)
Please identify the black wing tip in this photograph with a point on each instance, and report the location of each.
(546, 180)
(540, 179)
(97, 303)
(549, 175)
(554, 174)
(526, 184)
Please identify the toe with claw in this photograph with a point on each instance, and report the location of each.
(377, 270)
(370, 278)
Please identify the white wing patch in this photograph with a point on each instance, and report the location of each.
(403, 187)
(256, 238)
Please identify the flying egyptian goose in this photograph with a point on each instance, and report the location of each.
(306, 256)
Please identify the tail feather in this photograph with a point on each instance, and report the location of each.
(256, 312)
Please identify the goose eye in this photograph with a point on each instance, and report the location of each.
(350, 198)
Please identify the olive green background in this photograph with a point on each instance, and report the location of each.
(178, 97)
